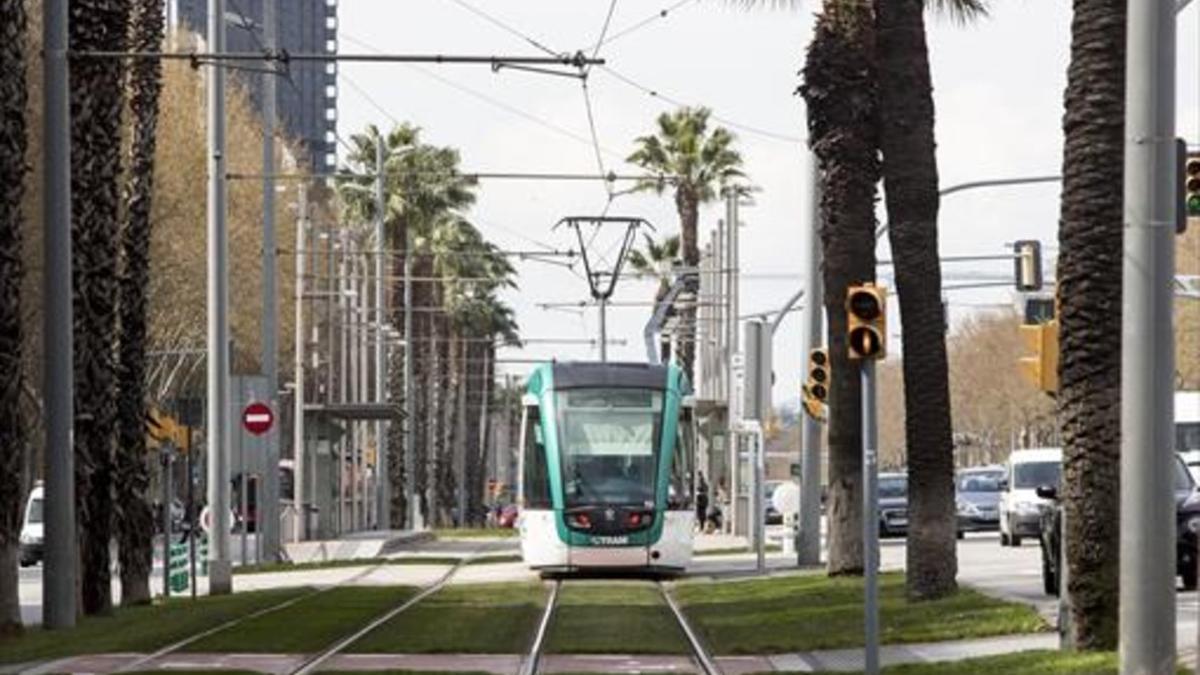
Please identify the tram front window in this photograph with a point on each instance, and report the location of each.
(609, 438)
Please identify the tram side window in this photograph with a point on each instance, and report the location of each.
(681, 488)
(537, 479)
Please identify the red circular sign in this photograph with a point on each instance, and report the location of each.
(257, 418)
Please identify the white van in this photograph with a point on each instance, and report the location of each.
(1020, 507)
(32, 532)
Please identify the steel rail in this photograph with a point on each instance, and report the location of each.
(707, 664)
(533, 660)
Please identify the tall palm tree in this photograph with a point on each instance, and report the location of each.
(1089, 290)
(910, 179)
(135, 521)
(839, 88)
(652, 262)
(698, 162)
(97, 104)
(14, 446)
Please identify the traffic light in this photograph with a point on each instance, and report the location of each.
(818, 374)
(1039, 365)
(866, 310)
(1191, 173)
(1027, 257)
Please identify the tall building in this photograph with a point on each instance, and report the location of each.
(306, 98)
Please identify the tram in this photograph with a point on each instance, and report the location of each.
(606, 468)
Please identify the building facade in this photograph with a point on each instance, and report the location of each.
(306, 94)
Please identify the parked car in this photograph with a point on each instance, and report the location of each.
(893, 504)
(1187, 525)
(32, 538)
(1020, 506)
(507, 517)
(771, 515)
(977, 498)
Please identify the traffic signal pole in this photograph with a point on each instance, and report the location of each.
(808, 549)
(870, 524)
(1147, 596)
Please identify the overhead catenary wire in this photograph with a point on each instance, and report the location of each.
(638, 25)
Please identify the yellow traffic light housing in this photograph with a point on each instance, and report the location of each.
(818, 374)
(866, 314)
(1039, 365)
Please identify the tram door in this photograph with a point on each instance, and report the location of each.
(539, 535)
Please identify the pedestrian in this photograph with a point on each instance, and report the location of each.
(701, 502)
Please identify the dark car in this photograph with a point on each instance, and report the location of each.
(893, 504)
(1187, 524)
(978, 499)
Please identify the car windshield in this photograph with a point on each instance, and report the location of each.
(1032, 474)
(893, 487)
(35, 514)
(980, 481)
(1183, 479)
(608, 438)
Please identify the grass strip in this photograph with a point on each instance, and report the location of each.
(496, 559)
(810, 612)
(140, 629)
(736, 550)
(266, 568)
(613, 618)
(463, 619)
(1022, 663)
(309, 625)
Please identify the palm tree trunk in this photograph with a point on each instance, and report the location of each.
(688, 206)
(423, 376)
(14, 446)
(839, 88)
(911, 188)
(399, 428)
(96, 108)
(135, 523)
(1089, 289)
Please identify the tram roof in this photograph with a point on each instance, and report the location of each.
(585, 374)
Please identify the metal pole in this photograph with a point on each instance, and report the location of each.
(461, 421)
(220, 575)
(166, 520)
(191, 513)
(384, 498)
(267, 522)
(414, 519)
(60, 573)
(364, 385)
(1147, 602)
(298, 439)
(808, 548)
(869, 523)
(242, 497)
(356, 439)
(344, 443)
(603, 330)
(483, 407)
(760, 534)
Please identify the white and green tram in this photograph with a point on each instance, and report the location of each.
(606, 468)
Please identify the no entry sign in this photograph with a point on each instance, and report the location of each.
(257, 418)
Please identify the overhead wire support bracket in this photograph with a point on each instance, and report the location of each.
(576, 60)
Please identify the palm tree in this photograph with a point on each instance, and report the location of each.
(653, 262)
(135, 521)
(1089, 290)
(14, 446)
(839, 89)
(683, 152)
(910, 180)
(97, 104)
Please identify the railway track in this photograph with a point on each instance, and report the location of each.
(704, 662)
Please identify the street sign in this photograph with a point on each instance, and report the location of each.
(257, 418)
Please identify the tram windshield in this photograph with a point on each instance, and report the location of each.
(609, 437)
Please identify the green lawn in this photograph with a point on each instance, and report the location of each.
(613, 618)
(470, 619)
(140, 629)
(310, 624)
(807, 612)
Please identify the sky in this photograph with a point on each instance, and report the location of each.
(998, 92)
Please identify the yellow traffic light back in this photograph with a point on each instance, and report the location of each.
(866, 314)
(1192, 184)
(1040, 364)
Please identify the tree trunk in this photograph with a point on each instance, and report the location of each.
(688, 206)
(399, 427)
(911, 188)
(1089, 289)
(135, 523)
(839, 88)
(96, 110)
(14, 448)
(423, 377)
